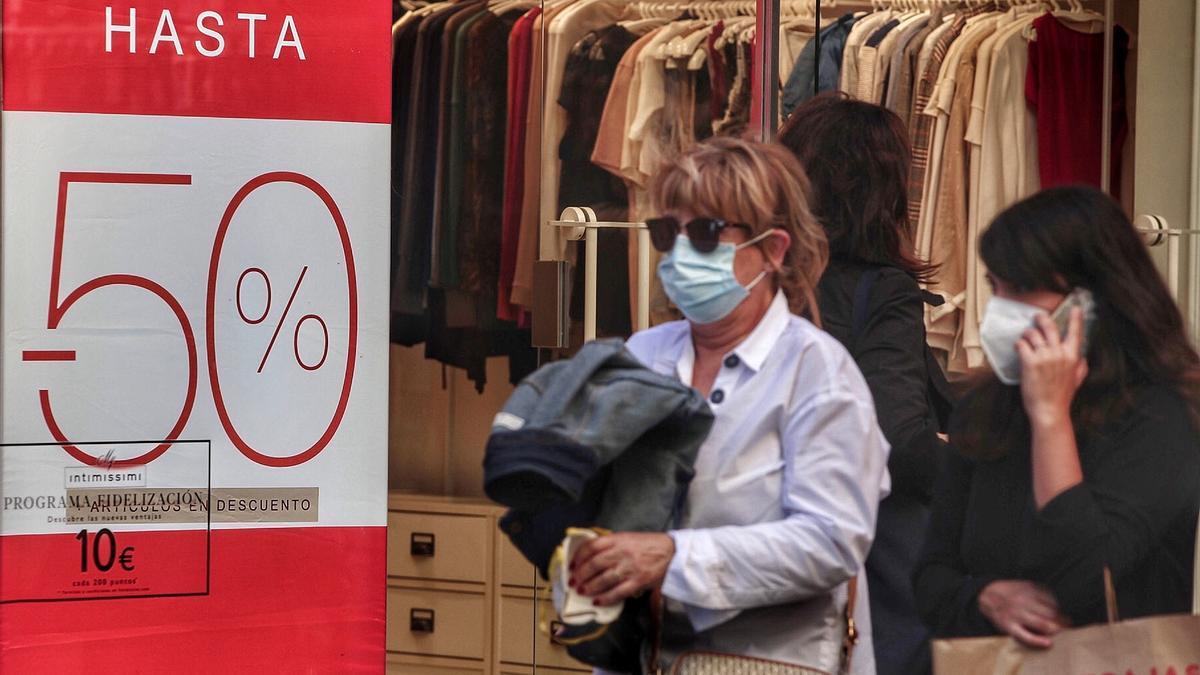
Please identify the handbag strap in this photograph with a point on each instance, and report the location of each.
(851, 638)
(1110, 597)
(1196, 574)
(657, 608)
(862, 297)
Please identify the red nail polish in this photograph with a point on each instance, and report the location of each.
(571, 583)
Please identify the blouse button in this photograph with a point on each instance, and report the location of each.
(717, 396)
(732, 361)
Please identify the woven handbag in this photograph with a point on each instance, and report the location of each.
(713, 663)
(717, 663)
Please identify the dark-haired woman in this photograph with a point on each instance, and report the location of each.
(856, 156)
(1082, 452)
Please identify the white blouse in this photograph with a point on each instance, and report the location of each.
(788, 483)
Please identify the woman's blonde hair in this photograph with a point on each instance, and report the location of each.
(759, 185)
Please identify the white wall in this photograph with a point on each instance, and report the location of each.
(1163, 151)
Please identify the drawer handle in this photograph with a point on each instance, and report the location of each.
(423, 544)
(420, 620)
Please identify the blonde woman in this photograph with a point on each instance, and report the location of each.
(781, 513)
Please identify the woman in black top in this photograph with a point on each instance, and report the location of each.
(856, 157)
(1092, 460)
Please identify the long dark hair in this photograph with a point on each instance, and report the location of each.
(856, 156)
(1077, 237)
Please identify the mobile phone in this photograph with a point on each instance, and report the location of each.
(1081, 298)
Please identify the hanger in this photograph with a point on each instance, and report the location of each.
(428, 9)
(733, 26)
(501, 6)
(1079, 18)
(803, 14)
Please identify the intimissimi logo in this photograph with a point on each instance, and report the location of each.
(103, 474)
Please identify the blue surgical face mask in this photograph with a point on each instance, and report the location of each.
(703, 285)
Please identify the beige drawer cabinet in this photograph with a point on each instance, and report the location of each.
(439, 547)
(460, 599)
(439, 622)
(399, 665)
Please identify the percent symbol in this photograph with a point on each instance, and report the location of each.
(301, 454)
(282, 318)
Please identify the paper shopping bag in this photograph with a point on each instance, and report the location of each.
(1157, 645)
(1161, 645)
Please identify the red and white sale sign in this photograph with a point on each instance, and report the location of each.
(194, 241)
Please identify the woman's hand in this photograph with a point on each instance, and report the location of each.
(1026, 611)
(1052, 369)
(614, 567)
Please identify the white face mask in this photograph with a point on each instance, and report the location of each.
(1005, 321)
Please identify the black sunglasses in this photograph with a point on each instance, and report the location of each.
(704, 233)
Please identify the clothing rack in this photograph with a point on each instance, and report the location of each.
(1053, 5)
(702, 9)
(576, 224)
(716, 9)
(925, 5)
(1157, 232)
(1194, 207)
(1106, 114)
(767, 48)
(580, 223)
